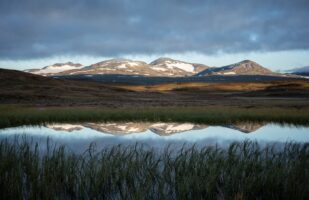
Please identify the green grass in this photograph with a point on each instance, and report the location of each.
(19, 115)
(240, 171)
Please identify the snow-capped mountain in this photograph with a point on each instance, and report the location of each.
(56, 69)
(165, 67)
(117, 66)
(246, 67)
(159, 67)
(171, 67)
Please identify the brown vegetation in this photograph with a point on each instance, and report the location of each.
(23, 88)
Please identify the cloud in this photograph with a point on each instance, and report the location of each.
(35, 29)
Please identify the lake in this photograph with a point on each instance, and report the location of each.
(78, 137)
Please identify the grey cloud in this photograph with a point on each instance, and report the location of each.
(34, 29)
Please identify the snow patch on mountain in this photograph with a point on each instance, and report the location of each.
(122, 66)
(168, 63)
(159, 68)
(183, 66)
(133, 63)
(169, 128)
(65, 127)
(56, 69)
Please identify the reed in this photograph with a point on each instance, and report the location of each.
(241, 171)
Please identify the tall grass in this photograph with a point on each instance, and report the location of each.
(14, 116)
(241, 171)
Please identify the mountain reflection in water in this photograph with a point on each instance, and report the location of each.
(78, 137)
(162, 129)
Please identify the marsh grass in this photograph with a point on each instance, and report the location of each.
(18, 115)
(241, 171)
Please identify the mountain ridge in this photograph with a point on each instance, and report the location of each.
(161, 67)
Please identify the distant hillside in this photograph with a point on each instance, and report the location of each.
(303, 71)
(299, 69)
(245, 67)
(17, 86)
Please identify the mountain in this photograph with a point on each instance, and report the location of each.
(117, 66)
(159, 67)
(304, 71)
(55, 69)
(171, 67)
(246, 67)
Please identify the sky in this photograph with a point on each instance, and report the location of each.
(36, 33)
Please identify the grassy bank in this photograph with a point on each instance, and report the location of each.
(18, 115)
(242, 171)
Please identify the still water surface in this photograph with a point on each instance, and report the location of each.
(79, 136)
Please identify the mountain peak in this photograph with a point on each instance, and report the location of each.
(118, 60)
(245, 67)
(162, 60)
(172, 65)
(246, 62)
(120, 63)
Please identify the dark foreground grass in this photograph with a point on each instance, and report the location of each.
(241, 171)
(14, 116)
